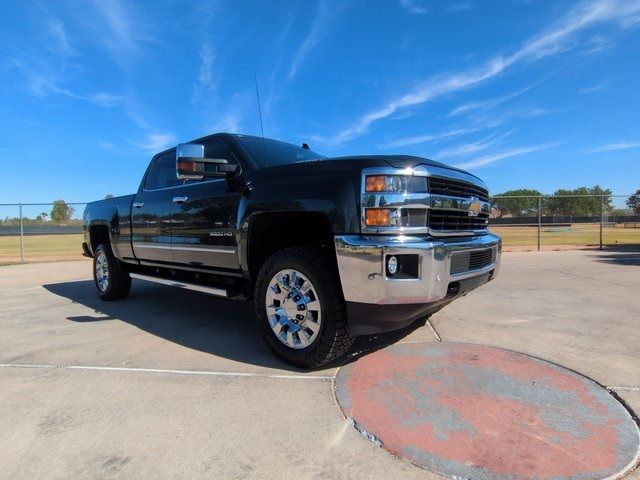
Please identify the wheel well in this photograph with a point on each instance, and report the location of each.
(270, 232)
(98, 234)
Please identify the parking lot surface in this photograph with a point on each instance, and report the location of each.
(176, 384)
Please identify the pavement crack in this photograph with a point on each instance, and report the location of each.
(623, 388)
(433, 330)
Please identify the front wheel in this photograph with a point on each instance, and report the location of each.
(112, 280)
(300, 308)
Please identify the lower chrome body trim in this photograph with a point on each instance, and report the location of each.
(361, 264)
(218, 292)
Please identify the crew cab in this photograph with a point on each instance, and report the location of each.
(327, 248)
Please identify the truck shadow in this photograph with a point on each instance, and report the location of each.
(620, 255)
(219, 327)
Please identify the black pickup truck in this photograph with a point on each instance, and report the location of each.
(327, 248)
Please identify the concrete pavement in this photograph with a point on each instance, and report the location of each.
(173, 384)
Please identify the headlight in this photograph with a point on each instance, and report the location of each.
(394, 202)
(395, 184)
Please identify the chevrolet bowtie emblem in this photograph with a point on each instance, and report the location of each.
(474, 207)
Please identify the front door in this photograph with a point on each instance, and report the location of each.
(151, 211)
(204, 216)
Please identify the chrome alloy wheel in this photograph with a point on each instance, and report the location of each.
(293, 309)
(102, 271)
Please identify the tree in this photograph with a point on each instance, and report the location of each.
(580, 202)
(523, 202)
(108, 195)
(61, 212)
(633, 202)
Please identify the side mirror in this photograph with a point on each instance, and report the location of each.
(192, 165)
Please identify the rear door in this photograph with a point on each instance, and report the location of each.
(204, 216)
(151, 211)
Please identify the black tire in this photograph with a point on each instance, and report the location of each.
(333, 339)
(119, 281)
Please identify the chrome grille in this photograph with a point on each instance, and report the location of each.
(443, 220)
(455, 188)
(450, 220)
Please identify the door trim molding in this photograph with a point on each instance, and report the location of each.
(200, 248)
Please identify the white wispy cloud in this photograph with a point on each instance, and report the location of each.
(616, 146)
(41, 82)
(593, 88)
(465, 108)
(58, 37)
(470, 148)
(205, 83)
(557, 38)
(120, 33)
(420, 139)
(489, 159)
(233, 115)
(104, 99)
(231, 123)
(458, 7)
(413, 6)
(316, 32)
(156, 142)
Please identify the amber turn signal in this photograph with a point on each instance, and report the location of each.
(376, 183)
(377, 217)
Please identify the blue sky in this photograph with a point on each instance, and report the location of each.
(530, 94)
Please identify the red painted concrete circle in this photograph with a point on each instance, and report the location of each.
(483, 413)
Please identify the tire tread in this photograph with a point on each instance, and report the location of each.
(334, 340)
(119, 278)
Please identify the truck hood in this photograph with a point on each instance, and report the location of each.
(395, 161)
(353, 165)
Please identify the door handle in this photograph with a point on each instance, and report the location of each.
(138, 204)
(179, 199)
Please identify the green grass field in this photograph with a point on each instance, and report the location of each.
(577, 234)
(41, 248)
(45, 248)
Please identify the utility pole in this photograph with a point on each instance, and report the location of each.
(539, 219)
(21, 236)
(601, 218)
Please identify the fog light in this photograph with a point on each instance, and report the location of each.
(392, 265)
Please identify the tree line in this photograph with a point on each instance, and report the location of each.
(579, 202)
(61, 213)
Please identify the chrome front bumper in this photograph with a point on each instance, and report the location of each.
(361, 263)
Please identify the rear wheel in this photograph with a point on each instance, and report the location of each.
(112, 280)
(300, 308)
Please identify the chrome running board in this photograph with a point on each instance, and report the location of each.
(218, 292)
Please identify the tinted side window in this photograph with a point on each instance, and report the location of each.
(215, 149)
(163, 172)
(218, 149)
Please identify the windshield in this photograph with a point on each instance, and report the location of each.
(269, 153)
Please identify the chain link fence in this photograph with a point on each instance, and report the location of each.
(553, 222)
(53, 231)
(40, 231)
